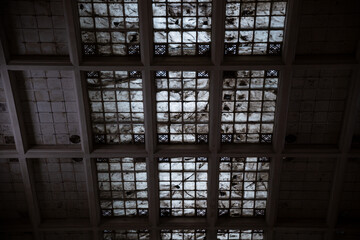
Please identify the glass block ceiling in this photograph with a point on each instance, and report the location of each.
(254, 27)
(109, 27)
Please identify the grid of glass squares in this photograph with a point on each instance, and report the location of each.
(182, 27)
(254, 27)
(109, 27)
(36, 27)
(240, 234)
(184, 234)
(248, 106)
(183, 186)
(182, 105)
(117, 110)
(122, 185)
(49, 106)
(126, 234)
(243, 185)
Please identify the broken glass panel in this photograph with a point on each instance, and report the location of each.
(182, 104)
(243, 185)
(126, 234)
(183, 186)
(184, 234)
(240, 234)
(116, 103)
(248, 106)
(109, 27)
(122, 186)
(182, 27)
(254, 27)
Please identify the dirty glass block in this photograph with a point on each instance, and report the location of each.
(182, 28)
(116, 103)
(36, 27)
(248, 106)
(49, 106)
(183, 186)
(254, 27)
(109, 27)
(243, 185)
(126, 234)
(183, 234)
(122, 186)
(182, 104)
(6, 132)
(240, 234)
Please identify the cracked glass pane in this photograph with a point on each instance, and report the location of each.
(240, 234)
(122, 186)
(126, 234)
(188, 234)
(182, 104)
(254, 27)
(243, 185)
(109, 27)
(116, 103)
(182, 28)
(183, 186)
(248, 106)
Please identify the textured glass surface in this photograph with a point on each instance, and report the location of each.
(248, 106)
(240, 234)
(185, 234)
(6, 132)
(122, 184)
(182, 104)
(49, 106)
(243, 185)
(109, 27)
(126, 234)
(254, 27)
(117, 110)
(183, 186)
(182, 27)
(36, 27)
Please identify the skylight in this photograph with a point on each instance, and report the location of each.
(240, 234)
(182, 103)
(126, 234)
(183, 186)
(248, 106)
(117, 110)
(182, 27)
(109, 27)
(254, 27)
(122, 184)
(184, 234)
(243, 185)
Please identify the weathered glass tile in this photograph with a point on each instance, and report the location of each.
(254, 27)
(126, 234)
(240, 234)
(122, 185)
(183, 186)
(109, 27)
(248, 106)
(116, 103)
(167, 234)
(243, 185)
(182, 28)
(182, 105)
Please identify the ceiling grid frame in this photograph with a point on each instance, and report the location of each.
(151, 151)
